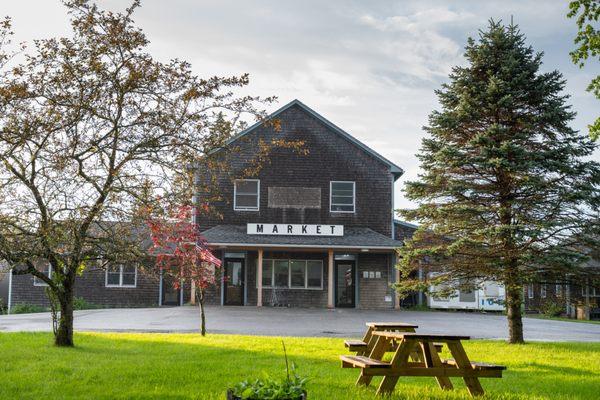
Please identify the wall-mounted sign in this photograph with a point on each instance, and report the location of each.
(295, 229)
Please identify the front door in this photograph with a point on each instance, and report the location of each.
(345, 283)
(170, 295)
(234, 282)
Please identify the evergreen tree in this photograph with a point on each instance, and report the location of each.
(507, 185)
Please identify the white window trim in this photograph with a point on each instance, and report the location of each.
(289, 285)
(543, 291)
(331, 198)
(120, 285)
(38, 282)
(530, 291)
(235, 207)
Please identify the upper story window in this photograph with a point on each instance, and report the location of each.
(121, 276)
(45, 268)
(342, 196)
(246, 195)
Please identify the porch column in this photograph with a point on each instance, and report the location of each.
(193, 293)
(330, 279)
(259, 271)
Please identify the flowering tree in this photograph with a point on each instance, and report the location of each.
(182, 253)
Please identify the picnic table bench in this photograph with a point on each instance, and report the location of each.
(428, 363)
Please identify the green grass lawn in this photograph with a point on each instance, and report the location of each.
(188, 366)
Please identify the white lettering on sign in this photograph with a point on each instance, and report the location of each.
(295, 229)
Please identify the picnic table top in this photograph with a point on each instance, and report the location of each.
(390, 325)
(420, 336)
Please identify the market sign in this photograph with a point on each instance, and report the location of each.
(295, 229)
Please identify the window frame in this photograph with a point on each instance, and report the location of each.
(331, 204)
(120, 285)
(38, 282)
(543, 291)
(530, 293)
(289, 283)
(235, 206)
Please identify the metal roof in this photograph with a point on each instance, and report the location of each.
(396, 170)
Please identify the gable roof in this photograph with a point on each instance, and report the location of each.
(394, 169)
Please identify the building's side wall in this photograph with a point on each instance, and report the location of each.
(91, 287)
(329, 157)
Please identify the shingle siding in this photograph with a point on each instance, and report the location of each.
(330, 158)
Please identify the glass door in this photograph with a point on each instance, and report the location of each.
(344, 284)
(234, 282)
(170, 295)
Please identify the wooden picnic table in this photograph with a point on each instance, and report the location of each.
(365, 346)
(429, 363)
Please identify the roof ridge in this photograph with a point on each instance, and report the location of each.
(396, 170)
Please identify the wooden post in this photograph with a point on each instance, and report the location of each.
(259, 279)
(193, 293)
(330, 282)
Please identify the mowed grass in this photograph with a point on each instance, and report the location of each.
(188, 366)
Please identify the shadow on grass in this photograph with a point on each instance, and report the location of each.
(189, 366)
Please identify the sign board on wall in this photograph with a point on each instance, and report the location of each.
(295, 229)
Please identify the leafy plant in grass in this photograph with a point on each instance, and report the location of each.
(79, 303)
(551, 308)
(293, 387)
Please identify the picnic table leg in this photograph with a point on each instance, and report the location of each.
(399, 360)
(432, 360)
(462, 361)
(377, 353)
(368, 338)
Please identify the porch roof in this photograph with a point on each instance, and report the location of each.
(354, 238)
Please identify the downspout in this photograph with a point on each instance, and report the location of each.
(10, 274)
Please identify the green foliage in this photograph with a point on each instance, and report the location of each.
(79, 303)
(293, 387)
(587, 41)
(552, 308)
(507, 186)
(27, 309)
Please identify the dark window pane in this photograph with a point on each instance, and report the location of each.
(128, 279)
(314, 270)
(297, 270)
(342, 200)
(112, 278)
(246, 187)
(281, 273)
(267, 274)
(246, 201)
(342, 208)
(347, 187)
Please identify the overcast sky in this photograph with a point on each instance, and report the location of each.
(369, 67)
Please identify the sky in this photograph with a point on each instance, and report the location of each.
(370, 67)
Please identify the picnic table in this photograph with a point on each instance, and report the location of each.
(365, 346)
(428, 362)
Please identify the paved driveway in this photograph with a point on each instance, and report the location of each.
(301, 322)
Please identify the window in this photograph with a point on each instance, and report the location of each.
(543, 291)
(267, 277)
(342, 196)
(246, 195)
(293, 274)
(530, 291)
(592, 291)
(121, 276)
(45, 268)
(558, 290)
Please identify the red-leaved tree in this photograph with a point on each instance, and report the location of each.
(183, 254)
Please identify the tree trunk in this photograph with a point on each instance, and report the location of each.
(64, 332)
(200, 297)
(514, 302)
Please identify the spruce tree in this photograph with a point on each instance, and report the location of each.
(507, 186)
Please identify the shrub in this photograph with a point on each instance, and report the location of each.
(27, 309)
(79, 303)
(551, 308)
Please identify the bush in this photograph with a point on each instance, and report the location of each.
(552, 309)
(79, 303)
(27, 309)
